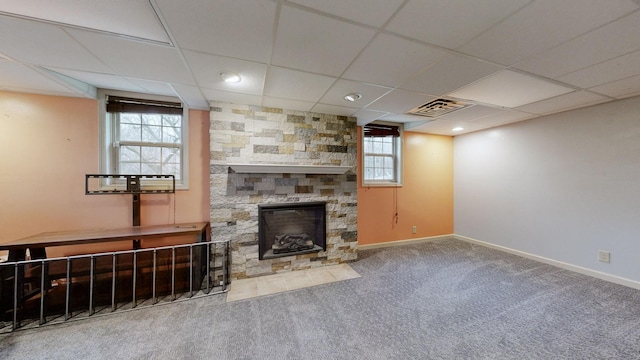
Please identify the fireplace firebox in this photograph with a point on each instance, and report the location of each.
(291, 229)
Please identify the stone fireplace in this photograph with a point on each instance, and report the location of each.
(291, 229)
(263, 158)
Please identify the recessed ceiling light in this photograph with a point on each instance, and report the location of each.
(353, 97)
(230, 77)
(456, 129)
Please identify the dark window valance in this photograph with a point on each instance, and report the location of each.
(117, 104)
(380, 130)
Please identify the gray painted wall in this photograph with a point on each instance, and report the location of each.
(561, 187)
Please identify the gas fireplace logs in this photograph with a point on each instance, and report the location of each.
(292, 242)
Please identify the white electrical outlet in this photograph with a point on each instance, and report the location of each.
(604, 256)
(414, 229)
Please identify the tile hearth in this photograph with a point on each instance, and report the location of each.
(277, 283)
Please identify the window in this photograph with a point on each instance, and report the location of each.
(143, 136)
(382, 155)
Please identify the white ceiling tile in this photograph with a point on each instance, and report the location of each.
(405, 118)
(296, 85)
(564, 102)
(315, 43)
(366, 116)
(136, 59)
(335, 95)
(542, 25)
(412, 124)
(135, 18)
(370, 12)
(399, 101)
(332, 109)
(504, 117)
(287, 104)
(154, 87)
(207, 68)
(450, 73)
(390, 60)
(470, 113)
(621, 88)
(242, 29)
(103, 81)
(231, 97)
(29, 80)
(589, 49)
(608, 71)
(48, 45)
(510, 89)
(444, 127)
(192, 96)
(450, 23)
(82, 88)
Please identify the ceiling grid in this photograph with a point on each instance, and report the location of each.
(511, 59)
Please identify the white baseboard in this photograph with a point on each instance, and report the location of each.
(403, 242)
(579, 269)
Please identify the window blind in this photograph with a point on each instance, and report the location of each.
(118, 104)
(380, 130)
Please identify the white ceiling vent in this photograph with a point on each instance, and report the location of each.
(438, 107)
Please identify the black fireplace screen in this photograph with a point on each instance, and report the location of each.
(291, 229)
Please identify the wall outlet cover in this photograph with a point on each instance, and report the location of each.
(604, 256)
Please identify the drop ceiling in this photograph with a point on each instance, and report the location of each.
(512, 60)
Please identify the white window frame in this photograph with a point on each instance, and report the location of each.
(108, 131)
(398, 158)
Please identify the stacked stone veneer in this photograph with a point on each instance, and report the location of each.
(256, 135)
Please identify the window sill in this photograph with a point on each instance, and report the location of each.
(381, 184)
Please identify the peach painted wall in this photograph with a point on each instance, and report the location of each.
(425, 199)
(49, 143)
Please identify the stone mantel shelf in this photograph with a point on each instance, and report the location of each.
(288, 169)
